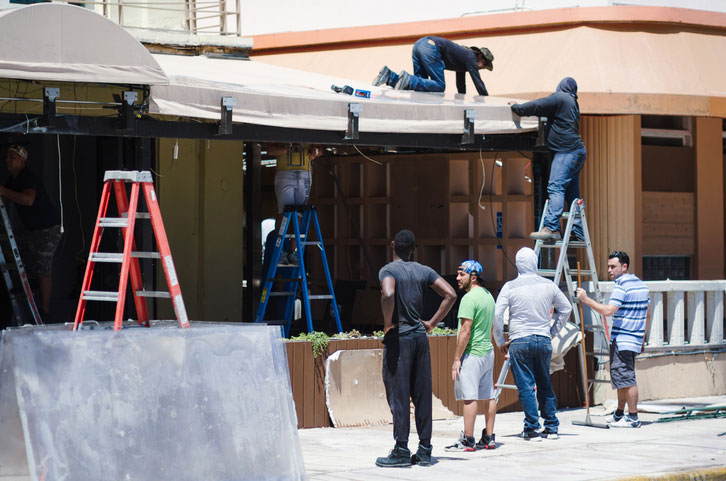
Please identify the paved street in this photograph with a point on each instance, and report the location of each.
(581, 453)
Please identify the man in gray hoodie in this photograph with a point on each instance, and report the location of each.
(563, 139)
(529, 298)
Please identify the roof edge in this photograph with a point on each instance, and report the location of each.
(482, 25)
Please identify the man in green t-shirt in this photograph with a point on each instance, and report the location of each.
(474, 359)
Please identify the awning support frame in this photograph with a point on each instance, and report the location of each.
(469, 118)
(354, 111)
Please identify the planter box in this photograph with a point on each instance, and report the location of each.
(307, 376)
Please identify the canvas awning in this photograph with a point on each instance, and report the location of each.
(276, 96)
(57, 42)
(54, 42)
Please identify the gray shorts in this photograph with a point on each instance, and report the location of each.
(475, 378)
(622, 367)
(292, 187)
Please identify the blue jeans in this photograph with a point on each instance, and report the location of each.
(529, 359)
(564, 186)
(428, 67)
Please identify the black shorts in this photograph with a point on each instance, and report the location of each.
(622, 367)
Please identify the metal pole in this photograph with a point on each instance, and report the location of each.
(252, 242)
(238, 13)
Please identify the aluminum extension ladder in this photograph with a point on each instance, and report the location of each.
(24, 308)
(563, 272)
(129, 258)
(297, 276)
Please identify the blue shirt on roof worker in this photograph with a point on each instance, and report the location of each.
(431, 56)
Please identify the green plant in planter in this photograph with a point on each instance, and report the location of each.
(319, 340)
(442, 331)
(352, 334)
(438, 331)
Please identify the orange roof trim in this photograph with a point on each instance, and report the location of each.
(485, 24)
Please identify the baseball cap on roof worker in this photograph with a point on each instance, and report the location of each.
(471, 267)
(487, 55)
(21, 151)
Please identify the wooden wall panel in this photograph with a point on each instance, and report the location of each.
(307, 377)
(450, 201)
(611, 185)
(669, 223)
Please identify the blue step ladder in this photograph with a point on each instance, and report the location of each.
(297, 277)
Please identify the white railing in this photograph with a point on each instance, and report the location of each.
(197, 17)
(686, 315)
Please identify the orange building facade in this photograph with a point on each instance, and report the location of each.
(653, 103)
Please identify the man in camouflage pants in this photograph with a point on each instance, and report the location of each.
(40, 233)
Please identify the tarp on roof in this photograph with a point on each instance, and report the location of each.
(282, 97)
(56, 42)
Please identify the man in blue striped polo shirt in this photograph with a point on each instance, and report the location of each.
(629, 306)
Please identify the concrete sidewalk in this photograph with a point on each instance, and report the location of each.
(581, 453)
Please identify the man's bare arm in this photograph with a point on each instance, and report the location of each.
(647, 329)
(276, 148)
(388, 302)
(603, 309)
(461, 342)
(444, 289)
(26, 197)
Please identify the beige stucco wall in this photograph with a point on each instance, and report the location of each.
(200, 195)
(686, 375)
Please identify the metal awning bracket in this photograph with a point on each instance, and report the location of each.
(50, 94)
(469, 117)
(127, 109)
(541, 127)
(354, 111)
(225, 123)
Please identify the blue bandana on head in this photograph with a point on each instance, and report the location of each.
(471, 267)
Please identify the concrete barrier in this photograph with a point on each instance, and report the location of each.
(210, 402)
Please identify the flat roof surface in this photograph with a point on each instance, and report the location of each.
(581, 453)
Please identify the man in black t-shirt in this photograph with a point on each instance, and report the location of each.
(406, 357)
(39, 233)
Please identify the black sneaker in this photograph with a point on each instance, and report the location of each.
(528, 435)
(398, 458)
(404, 81)
(284, 261)
(383, 76)
(486, 441)
(547, 434)
(422, 456)
(464, 443)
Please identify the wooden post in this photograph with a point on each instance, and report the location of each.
(709, 199)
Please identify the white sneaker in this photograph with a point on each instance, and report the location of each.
(626, 422)
(611, 418)
(464, 443)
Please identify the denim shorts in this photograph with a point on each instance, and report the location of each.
(475, 378)
(622, 367)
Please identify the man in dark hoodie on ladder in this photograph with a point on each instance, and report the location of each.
(563, 139)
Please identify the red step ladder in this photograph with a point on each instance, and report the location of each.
(129, 258)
